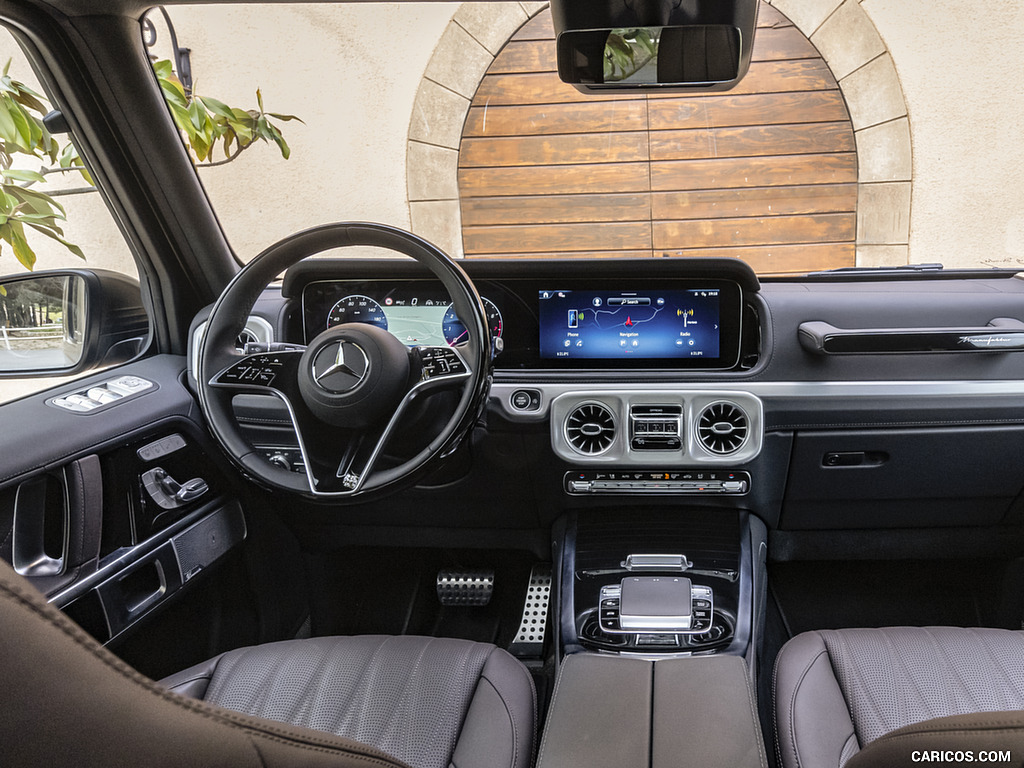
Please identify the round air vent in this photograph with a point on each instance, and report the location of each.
(590, 429)
(722, 428)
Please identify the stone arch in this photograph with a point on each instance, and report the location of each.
(840, 29)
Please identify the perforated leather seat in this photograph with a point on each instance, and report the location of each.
(354, 702)
(836, 692)
(430, 702)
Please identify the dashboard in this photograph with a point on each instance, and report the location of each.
(554, 323)
(825, 440)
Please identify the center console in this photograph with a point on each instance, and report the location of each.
(661, 581)
(659, 616)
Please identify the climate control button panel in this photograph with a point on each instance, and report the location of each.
(658, 482)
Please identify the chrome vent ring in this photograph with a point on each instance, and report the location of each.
(590, 429)
(723, 428)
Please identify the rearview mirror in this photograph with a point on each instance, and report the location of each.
(654, 46)
(699, 56)
(61, 323)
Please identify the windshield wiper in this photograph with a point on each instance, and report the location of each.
(899, 269)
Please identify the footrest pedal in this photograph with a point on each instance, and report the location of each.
(529, 640)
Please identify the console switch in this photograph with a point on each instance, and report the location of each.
(656, 605)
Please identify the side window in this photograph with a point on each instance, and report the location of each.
(52, 218)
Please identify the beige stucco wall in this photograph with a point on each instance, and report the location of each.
(960, 64)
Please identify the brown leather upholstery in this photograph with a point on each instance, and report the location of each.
(948, 741)
(838, 692)
(65, 700)
(431, 702)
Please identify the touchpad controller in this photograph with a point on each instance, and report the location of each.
(657, 604)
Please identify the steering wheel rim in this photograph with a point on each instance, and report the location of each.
(218, 358)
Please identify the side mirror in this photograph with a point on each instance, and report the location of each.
(65, 322)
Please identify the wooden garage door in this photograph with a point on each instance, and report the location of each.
(766, 172)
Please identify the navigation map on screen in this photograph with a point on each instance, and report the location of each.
(608, 325)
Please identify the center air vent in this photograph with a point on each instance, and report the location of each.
(722, 428)
(590, 429)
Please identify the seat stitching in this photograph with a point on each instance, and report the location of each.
(858, 683)
(218, 715)
(753, 713)
(186, 681)
(511, 717)
(411, 683)
(551, 708)
(951, 702)
(911, 680)
(775, 712)
(792, 703)
(853, 738)
(1007, 674)
(259, 753)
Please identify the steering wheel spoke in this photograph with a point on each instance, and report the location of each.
(260, 371)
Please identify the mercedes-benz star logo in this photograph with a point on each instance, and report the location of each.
(340, 366)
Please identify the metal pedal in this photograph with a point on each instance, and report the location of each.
(533, 625)
(465, 588)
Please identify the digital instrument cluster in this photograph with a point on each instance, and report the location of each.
(416, 313)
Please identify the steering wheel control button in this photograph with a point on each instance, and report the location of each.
(340, 366)
(257, 370)
(440, 361)
(525, 400)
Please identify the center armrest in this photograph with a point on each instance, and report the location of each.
(626, 712)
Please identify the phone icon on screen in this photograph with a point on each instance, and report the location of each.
(574, 318)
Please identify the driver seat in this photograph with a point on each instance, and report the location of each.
(343, 701)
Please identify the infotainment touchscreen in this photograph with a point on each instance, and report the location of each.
(651, 324)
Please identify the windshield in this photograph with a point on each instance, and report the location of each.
(852, 141)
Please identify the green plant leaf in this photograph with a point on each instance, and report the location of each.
(39, 202)
(8, 130)
(54, 236)
(217, 107)
(275, 134)
(22, 250)
(20, 175)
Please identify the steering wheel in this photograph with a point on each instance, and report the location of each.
(348, 389)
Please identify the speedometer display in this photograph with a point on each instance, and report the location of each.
(416, 313)
(455, 332)
(357, 309)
